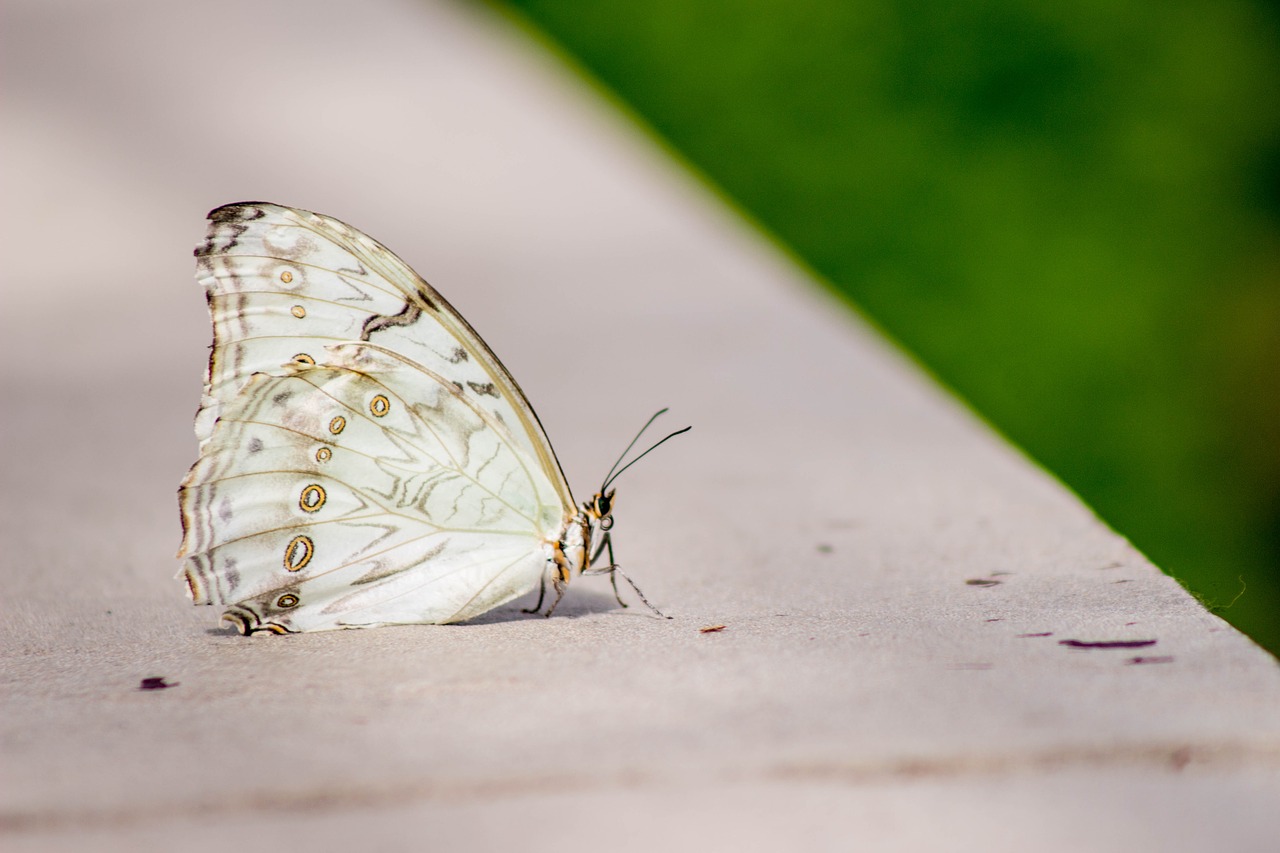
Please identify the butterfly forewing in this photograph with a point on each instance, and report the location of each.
(282, 284)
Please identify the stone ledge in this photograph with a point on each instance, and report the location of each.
(895, 580)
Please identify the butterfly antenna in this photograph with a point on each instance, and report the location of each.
(647, 424)
(614, 475)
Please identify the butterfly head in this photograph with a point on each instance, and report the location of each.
(600, 509)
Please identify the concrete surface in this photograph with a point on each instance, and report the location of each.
(832, 508)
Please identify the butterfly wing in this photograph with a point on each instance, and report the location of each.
(283, 283)
(365, 458)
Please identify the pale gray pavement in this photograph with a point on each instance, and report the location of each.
(830, 506)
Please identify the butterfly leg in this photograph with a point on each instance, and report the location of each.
(617, 570)
(542, 593)
(607, 542)
(614, 570)
(613, 581)
(559, 585)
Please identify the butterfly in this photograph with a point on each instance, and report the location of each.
(365, 458)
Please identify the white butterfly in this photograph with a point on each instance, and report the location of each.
(365, 458)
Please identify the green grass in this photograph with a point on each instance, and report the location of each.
(1070, 214)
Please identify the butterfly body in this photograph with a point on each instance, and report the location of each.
(365, 458)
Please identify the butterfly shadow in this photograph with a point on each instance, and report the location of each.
(575, 604)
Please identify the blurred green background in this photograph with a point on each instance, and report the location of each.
(1070, 214)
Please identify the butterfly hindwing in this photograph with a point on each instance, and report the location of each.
(362, 491)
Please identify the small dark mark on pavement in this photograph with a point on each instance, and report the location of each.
(1107, 644)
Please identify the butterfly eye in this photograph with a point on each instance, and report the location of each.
(603, 504)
